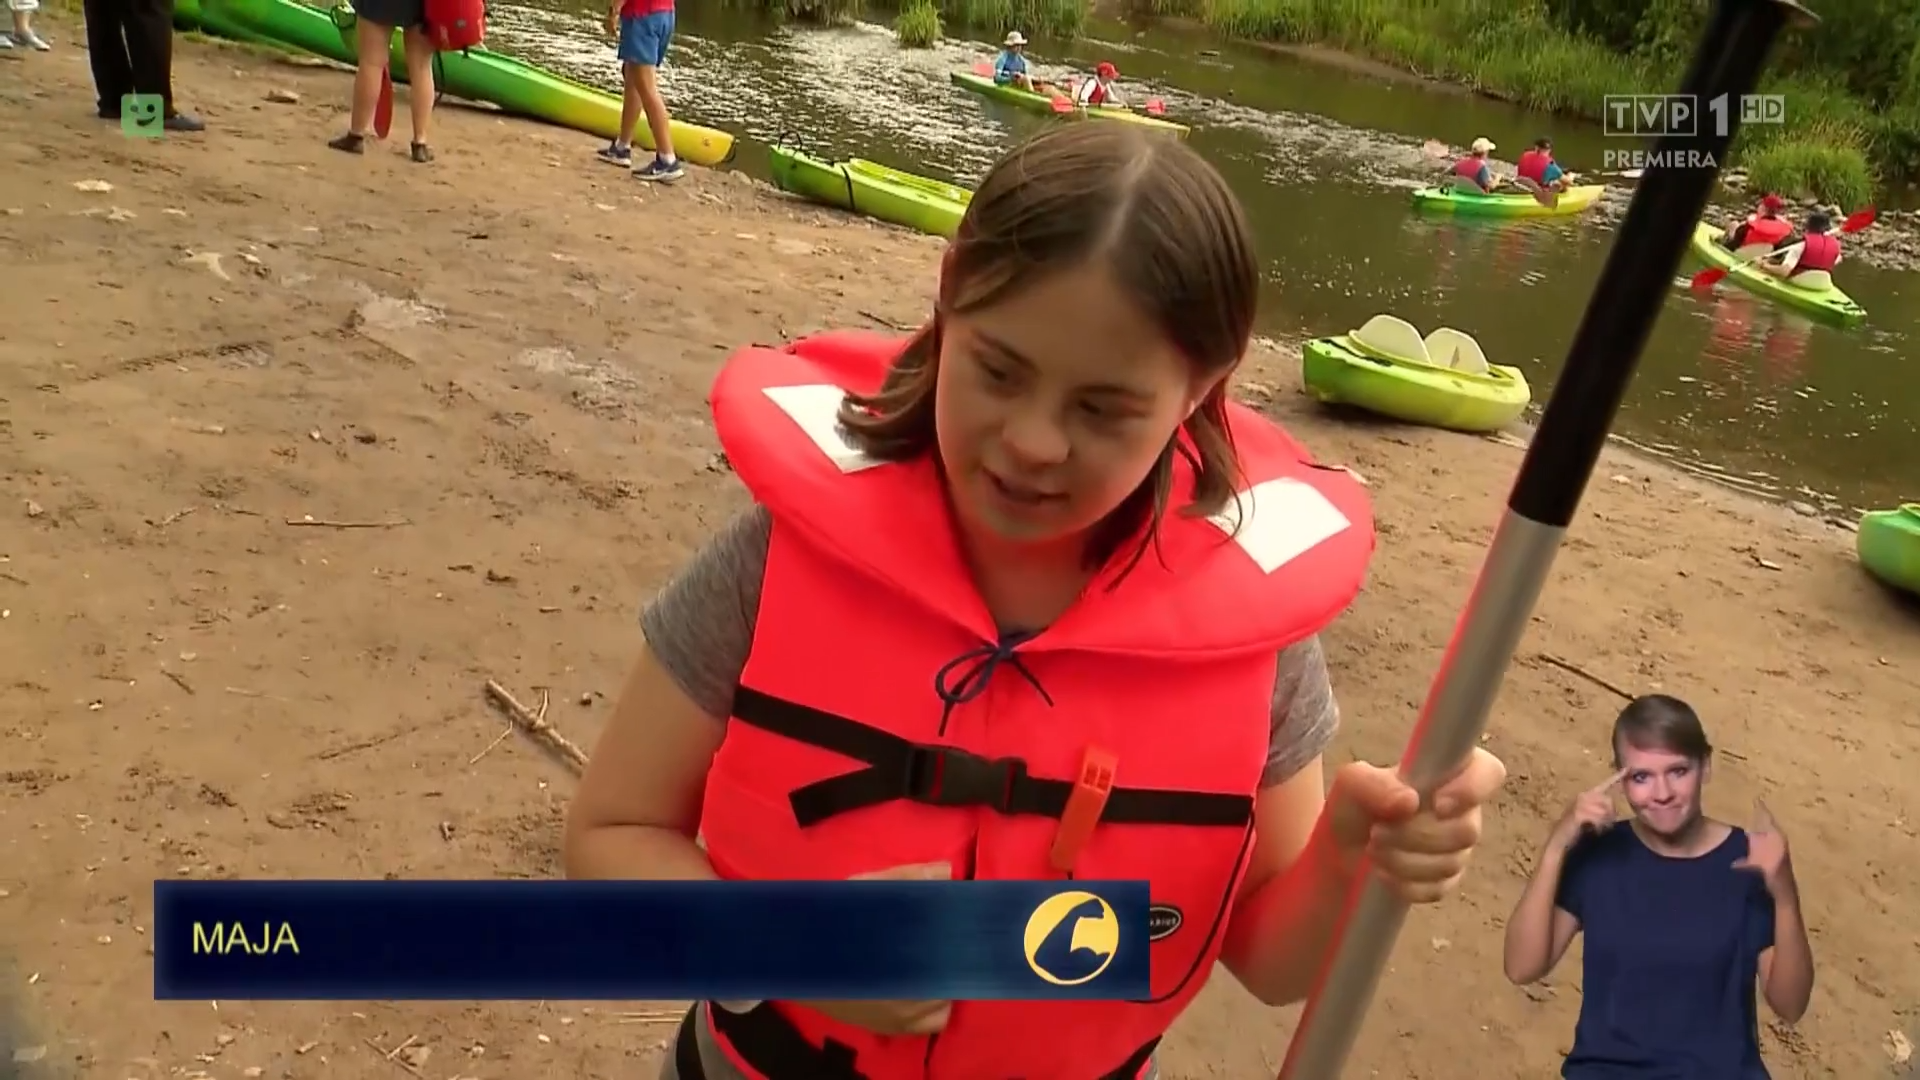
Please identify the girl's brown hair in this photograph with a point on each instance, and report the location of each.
(1167, 227)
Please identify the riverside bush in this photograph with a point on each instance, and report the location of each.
(1852, 84)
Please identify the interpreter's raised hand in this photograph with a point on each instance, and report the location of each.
(1767, 852)
(1418, 852)
(894, 1017)
(1592, 811)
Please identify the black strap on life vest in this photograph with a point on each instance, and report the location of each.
(948, 776)
(774, 1048)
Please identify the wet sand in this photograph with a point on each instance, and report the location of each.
(298, 449)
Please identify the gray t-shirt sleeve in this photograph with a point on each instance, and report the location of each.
(700, 628)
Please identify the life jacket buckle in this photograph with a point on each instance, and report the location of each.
(951, 777)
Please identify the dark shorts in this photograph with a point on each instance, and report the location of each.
(404, 13)
(644, 38)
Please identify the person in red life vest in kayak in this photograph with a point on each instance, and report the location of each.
(1035, 538)
(1099, 91)
(1763, 226)
(374, 21)
(1819, 250)
(1537, 165)
(1476, 166)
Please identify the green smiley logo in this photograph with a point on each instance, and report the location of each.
(142, 115)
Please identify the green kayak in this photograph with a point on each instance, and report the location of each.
(869, 188)
(1829, 303)
(1341, 371)
(476, 74)
(1506, 204)
(1889, 546)
(1041, 103)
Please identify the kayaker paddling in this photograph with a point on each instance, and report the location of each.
(1538, 167)
(982, 561)
(1818, 252)
(1099, 91)
(1010, 67)
(1764, 226)
(1477, 166)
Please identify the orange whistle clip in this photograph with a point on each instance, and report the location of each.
(1084, 805)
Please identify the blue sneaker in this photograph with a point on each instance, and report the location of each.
(660, 172)
(617, 154)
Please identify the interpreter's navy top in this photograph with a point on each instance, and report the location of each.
(1671, 960)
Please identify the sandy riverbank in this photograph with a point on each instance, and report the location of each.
(501, 359)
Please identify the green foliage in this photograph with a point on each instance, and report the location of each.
(918, 26)
(1048, 18)
(1852, 85)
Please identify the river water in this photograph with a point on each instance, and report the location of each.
(1730, 385)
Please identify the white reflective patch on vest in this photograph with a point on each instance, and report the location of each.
(1281, 520)
(816, 408)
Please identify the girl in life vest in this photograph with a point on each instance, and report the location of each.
(1032, 542)
(1099, 91)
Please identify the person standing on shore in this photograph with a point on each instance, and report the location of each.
(23, 35)
(130, 49)
(644, 29)
(1018, 548)
(1684, 915)
(375, 21)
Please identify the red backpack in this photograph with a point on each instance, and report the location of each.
(455, 25)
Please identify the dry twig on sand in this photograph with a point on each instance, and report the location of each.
(536, 725)
(1575, 669)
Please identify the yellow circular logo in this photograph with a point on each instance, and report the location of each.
(1071, 938)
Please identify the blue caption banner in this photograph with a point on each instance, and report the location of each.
(595, 940)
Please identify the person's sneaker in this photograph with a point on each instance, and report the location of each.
(6, 41)
(617, 154)
(31, 40)
(660, 172)
(184, 122)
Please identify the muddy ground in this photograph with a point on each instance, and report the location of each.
(298, 449)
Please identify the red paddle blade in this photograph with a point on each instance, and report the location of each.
(1707, 279)
(1156, 107)
(383, 112)
(1062, 105)
(1857, 221)
(983, 69)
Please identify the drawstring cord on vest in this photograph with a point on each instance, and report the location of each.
(966, 676)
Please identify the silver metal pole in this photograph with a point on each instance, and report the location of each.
(1553, 476)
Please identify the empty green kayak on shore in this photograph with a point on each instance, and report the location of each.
(1889, 546)
(867, 187)
(1443, 381)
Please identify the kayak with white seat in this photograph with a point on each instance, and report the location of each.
(1811, 291)
(1442, 380)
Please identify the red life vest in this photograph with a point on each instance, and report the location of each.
(1098, 95)
(882, 720)
(1533, 166)
(1469, 167)
(1821, 253)
(1766, 230)
(454, 25)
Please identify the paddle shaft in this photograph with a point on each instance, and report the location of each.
(1553, 475)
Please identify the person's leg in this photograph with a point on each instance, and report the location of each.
(419, 50)
(107, 54)
(149, 29)
(23, 25)
(630, 51)
(371, 41)
(665, 164)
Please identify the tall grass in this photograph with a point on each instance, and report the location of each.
(918, 26)
(1049, 18)
(1515, 50)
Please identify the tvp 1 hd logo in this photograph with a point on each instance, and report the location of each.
(1652, 116)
